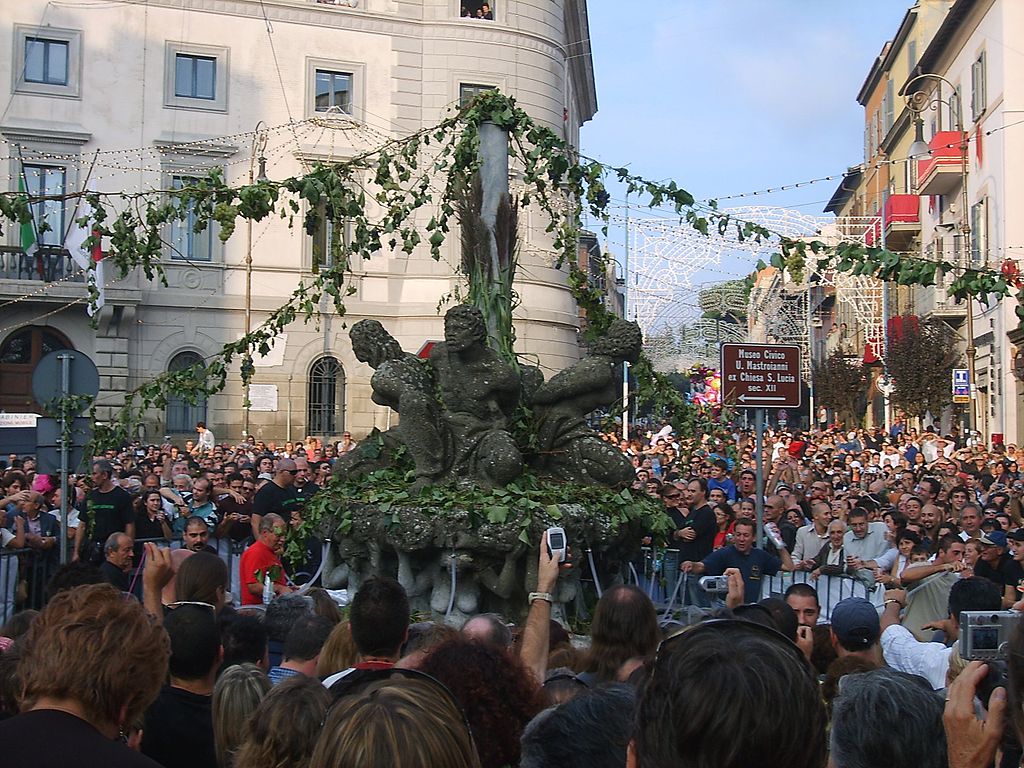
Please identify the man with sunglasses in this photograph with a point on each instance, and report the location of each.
(277, 497)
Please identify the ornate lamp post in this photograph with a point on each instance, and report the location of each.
(917, 102)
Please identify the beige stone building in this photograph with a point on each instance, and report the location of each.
(976, 87)
(132, 96)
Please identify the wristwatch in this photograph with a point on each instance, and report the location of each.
(547, 597)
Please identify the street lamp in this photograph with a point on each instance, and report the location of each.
(917, 102)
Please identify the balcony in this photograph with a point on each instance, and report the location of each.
(934, 301)
(49, 264)
(939, 173)
(902, 221)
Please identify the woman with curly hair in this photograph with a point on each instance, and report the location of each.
(92, 662)
(497, 693)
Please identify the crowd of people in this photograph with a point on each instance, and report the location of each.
(218, 657)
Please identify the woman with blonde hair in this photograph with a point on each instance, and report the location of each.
(397, 723)
(283, 730)
(236, 696)
(339, 652)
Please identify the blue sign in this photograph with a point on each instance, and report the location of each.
(961, 385)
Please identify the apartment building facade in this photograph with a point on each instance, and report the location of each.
(134, 97)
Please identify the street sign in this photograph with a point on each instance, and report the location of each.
(48, 385)
(961, 385)
(428, 345)
(761, 375)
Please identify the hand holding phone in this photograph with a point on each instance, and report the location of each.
(557, 544)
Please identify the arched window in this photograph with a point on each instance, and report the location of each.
(19, 354)
(181, 415)
(326, 401)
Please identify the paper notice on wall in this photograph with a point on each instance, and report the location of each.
(262, 397)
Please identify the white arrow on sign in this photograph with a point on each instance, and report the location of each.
(744, 398)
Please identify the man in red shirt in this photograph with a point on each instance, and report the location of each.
(263, 557)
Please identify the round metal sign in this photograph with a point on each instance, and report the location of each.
(83, 381)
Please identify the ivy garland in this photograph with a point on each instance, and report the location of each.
(560, 182)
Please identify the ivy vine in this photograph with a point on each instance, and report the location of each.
(385, 194)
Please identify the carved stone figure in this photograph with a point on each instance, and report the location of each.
(479, 392)
(402, 382)
(568, 447)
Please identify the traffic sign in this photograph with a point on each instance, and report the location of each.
(761, 375)
(961, 385)
(428, 345)
(47, 385)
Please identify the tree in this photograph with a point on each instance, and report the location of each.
(839, 385)
(920, 361)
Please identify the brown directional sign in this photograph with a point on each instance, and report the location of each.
(761, 375)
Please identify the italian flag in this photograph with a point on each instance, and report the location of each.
(28, 229)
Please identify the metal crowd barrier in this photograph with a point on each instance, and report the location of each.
(33, 570)
(657, 573)
(24, 574)
(831, 589)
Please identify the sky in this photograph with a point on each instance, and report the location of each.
(731, 96)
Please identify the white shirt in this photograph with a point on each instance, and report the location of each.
(808, 542)
(904, 653)
(206, 440)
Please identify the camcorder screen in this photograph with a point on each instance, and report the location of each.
(985, 638)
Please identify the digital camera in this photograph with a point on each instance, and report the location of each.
(985, 635)
(716, 584)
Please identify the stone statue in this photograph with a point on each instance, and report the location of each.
(479, 392)
(568, 447)
(403, 382)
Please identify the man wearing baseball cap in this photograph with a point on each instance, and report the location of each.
(856, 630)
(992, 563)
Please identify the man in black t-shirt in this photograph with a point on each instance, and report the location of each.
(178, 729)
(304, 486)
(694, 536)
(109, 510)
(277, 496)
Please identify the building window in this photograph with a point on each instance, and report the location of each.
(476, 9)
(186, 243)
(182, 415)
(979, 87)
(333, 89)
(195, 77)
(47, 215)
(979, 233)
(326, 398)
(47, 61)
(469, 91)
(888, 107)
(955, 113)
(911, 55)
(334, 85)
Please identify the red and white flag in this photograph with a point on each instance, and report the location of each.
(89, 259)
